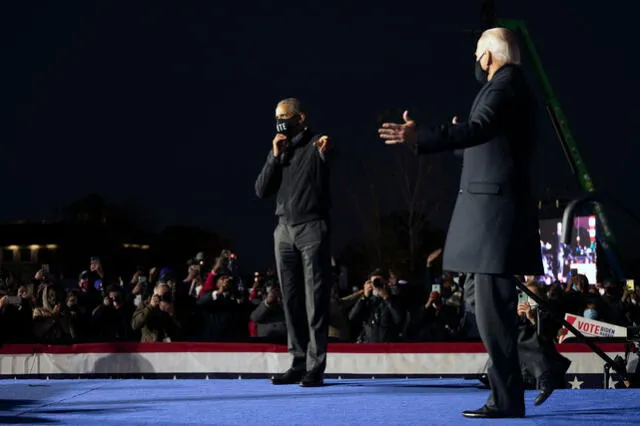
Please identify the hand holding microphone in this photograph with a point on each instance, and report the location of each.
(279, 143)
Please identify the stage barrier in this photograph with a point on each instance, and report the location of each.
(223, 360)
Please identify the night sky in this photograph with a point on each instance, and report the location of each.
(167, 107)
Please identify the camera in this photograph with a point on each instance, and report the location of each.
(228, 255)
(377, 283)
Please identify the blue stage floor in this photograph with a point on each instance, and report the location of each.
(256, 402)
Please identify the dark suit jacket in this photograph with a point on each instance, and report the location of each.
(494, 228)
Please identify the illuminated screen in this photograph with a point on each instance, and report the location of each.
(558, 259)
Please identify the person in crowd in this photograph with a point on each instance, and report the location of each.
(96, 273)
(87, 295)
(155, 317)
(50, 324)
(78, 318)
(269, 317)
(438, 320)
(255, 297)
(16, 314)
(112, 319)
(576, 294)
(613, 308)
(378, 311)
(339, 307)
(223, 310)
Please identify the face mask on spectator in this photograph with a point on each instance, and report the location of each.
(601, 291)
(375, 293)
(590, 314)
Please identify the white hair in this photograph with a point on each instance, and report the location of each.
(502, 44)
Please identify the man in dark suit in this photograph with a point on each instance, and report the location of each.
(493, 233)
(297, 170)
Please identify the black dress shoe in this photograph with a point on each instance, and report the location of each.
(488, 413)
(542, 396)
(312, 380)
(484, 379)
(549, 382)
(290, 377)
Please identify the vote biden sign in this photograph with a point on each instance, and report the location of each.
(591, 328)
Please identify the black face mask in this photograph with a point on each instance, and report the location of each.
(481, 75)
(286, 126)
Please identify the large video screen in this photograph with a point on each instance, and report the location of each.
(559, 260)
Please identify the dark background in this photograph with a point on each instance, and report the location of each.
(167, 107)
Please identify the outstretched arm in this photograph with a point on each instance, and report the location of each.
(454, 136)
(461, 135)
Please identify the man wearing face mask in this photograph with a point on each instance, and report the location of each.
(591, 311)
(297, 171)
(493, 234)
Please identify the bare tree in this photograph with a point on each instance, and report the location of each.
(412, 175)
(365, 196)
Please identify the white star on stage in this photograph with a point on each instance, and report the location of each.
(612, 383)
(575, 383)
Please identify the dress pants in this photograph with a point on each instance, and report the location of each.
(303, 261)
(493, 299)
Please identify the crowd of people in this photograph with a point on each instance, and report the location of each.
(218, 304)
